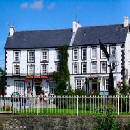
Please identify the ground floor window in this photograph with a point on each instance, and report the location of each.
(19, 87)
(79, 83)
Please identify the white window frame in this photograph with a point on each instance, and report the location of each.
(43, 71)
(105, 83)
(101, 65)
(31, 58)
(84, 57)
(74, 65)
(44, 57)
(19, 86)
(16, 71)
(79, 83)
(92, 71)
(75, 55)
(31, 69)
(94, 48)
(84, 63)
(16, 57)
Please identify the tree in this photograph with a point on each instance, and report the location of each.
(63, 76)
(2, 81)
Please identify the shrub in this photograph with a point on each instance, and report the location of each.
(107, 122)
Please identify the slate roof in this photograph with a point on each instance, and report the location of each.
(107, 34)
(39, 39)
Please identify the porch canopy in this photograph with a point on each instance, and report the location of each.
(37, 77)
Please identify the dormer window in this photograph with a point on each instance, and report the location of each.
(31, 56)
(44, 55)
(16, 56)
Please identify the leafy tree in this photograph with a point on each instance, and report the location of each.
(125, 89)
(2, 81)
(63, 76)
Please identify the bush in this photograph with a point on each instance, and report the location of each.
(107, 122)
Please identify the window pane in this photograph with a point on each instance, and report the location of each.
(84, 53)
(44, 69)
(75, 68)
(31, 56)
(31, 69)
(94, 53)
(16, 69)
(75, 54)
(94, 67)
(16, 56)
(103, 67)
(19, 87)
(84, 67)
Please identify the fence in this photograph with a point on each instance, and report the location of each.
(65, 105)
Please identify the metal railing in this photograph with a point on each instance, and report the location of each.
(65, 105)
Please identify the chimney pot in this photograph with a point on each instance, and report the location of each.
(11, 31)
(126, 21)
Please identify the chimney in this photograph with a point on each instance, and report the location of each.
(76, 25)
(126, 21)
(11, 31)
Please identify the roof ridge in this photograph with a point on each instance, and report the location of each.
(101, 25)
(43, 30)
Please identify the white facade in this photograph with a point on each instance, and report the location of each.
(88, 67)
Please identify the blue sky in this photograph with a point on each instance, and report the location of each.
(55, 14)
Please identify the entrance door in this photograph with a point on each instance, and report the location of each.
(94, 87)
(38, 87)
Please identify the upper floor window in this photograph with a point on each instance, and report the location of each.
(75, 68)
(44, 68)
(94, 67)
(84, 53)
(94, 53)
(44, 56)
(58, 55)
(102, 53)
(31, 56)
(16, 56)
(113, 50)
(103, 67)
(57, 64)
(75, 54)
(84, 68)
(31, 69)
(16, 69)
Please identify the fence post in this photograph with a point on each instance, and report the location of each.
(77, 105)
(118, 105)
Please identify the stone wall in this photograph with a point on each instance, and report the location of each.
(17, 122)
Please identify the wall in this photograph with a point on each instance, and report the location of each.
(16, 122)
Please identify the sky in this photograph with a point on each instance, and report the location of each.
(57, 14)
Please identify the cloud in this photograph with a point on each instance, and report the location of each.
(24, 5)
(52, 5)
(37, 5)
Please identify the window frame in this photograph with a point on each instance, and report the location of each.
(14, 55)
(33, 73)
(47, 55)
(82, 67)
(28, 51)
(82, 49)
(82, 83)
(14, 69)
(75, 63)
(93, 47)
(91, 66)
(56, 66)
(101, 67)
(74, 55)
(15, 88)
(44, 73)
